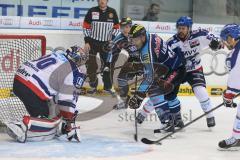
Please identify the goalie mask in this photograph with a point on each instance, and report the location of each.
(77, 55)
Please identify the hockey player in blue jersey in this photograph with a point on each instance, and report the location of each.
(122, 45)
(49, 89)
(230, 34)
(154, 52)
(192, 42)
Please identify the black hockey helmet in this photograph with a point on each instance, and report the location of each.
(126, 21)
(137, 30)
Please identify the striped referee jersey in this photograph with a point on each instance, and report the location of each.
(100, 25)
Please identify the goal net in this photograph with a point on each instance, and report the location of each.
(14, 50)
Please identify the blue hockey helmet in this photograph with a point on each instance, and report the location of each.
(184, 21)
(232, 30)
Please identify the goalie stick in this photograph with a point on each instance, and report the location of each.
(148, 141)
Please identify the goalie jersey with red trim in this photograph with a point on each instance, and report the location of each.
(53, 76)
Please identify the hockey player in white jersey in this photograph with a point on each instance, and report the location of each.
(49, 83)
(191, 44)
(230, 34)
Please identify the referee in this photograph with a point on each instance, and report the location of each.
(100, 26)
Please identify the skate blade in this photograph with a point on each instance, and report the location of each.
(231, 149)
(162, 130)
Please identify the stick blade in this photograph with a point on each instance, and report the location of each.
(147, 141)
(136, 137)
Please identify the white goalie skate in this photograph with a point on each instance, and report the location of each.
(17, 130)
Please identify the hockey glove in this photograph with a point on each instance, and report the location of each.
(215, 44)
(73, 49)
(228, 100)
(136, 100)
(70, 129)
(176, 77)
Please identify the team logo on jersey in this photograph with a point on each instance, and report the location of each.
(146, 58)
(79, 83)
(190, 53)
(110, 15)
(194, 43)
(95, 15)
(23, 72)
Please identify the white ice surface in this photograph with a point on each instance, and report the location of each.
(111, 137)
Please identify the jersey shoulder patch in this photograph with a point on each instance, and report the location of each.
(156, 43)
(119, 37)
(170, 39)
(199, 32)
(173, 40)
(60, 55)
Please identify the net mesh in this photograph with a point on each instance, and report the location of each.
(15, 50)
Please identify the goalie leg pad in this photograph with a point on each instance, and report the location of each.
(42, 129)
(33, 129)
(17, 130)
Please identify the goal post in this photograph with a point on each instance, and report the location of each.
(14, 50)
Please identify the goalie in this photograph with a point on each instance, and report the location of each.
(48, 88)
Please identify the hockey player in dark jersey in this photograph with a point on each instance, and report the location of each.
(122, 44)
(154, 53)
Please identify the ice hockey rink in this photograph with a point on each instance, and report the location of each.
(111, 137)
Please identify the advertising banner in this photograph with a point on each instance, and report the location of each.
(47, 14)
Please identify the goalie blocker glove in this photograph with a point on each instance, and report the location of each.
(70, 129)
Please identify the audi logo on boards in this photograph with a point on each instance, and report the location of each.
(214, 63)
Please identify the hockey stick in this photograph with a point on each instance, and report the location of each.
(163, 69)
(118, 67)
(148, 141)
(135, 114)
